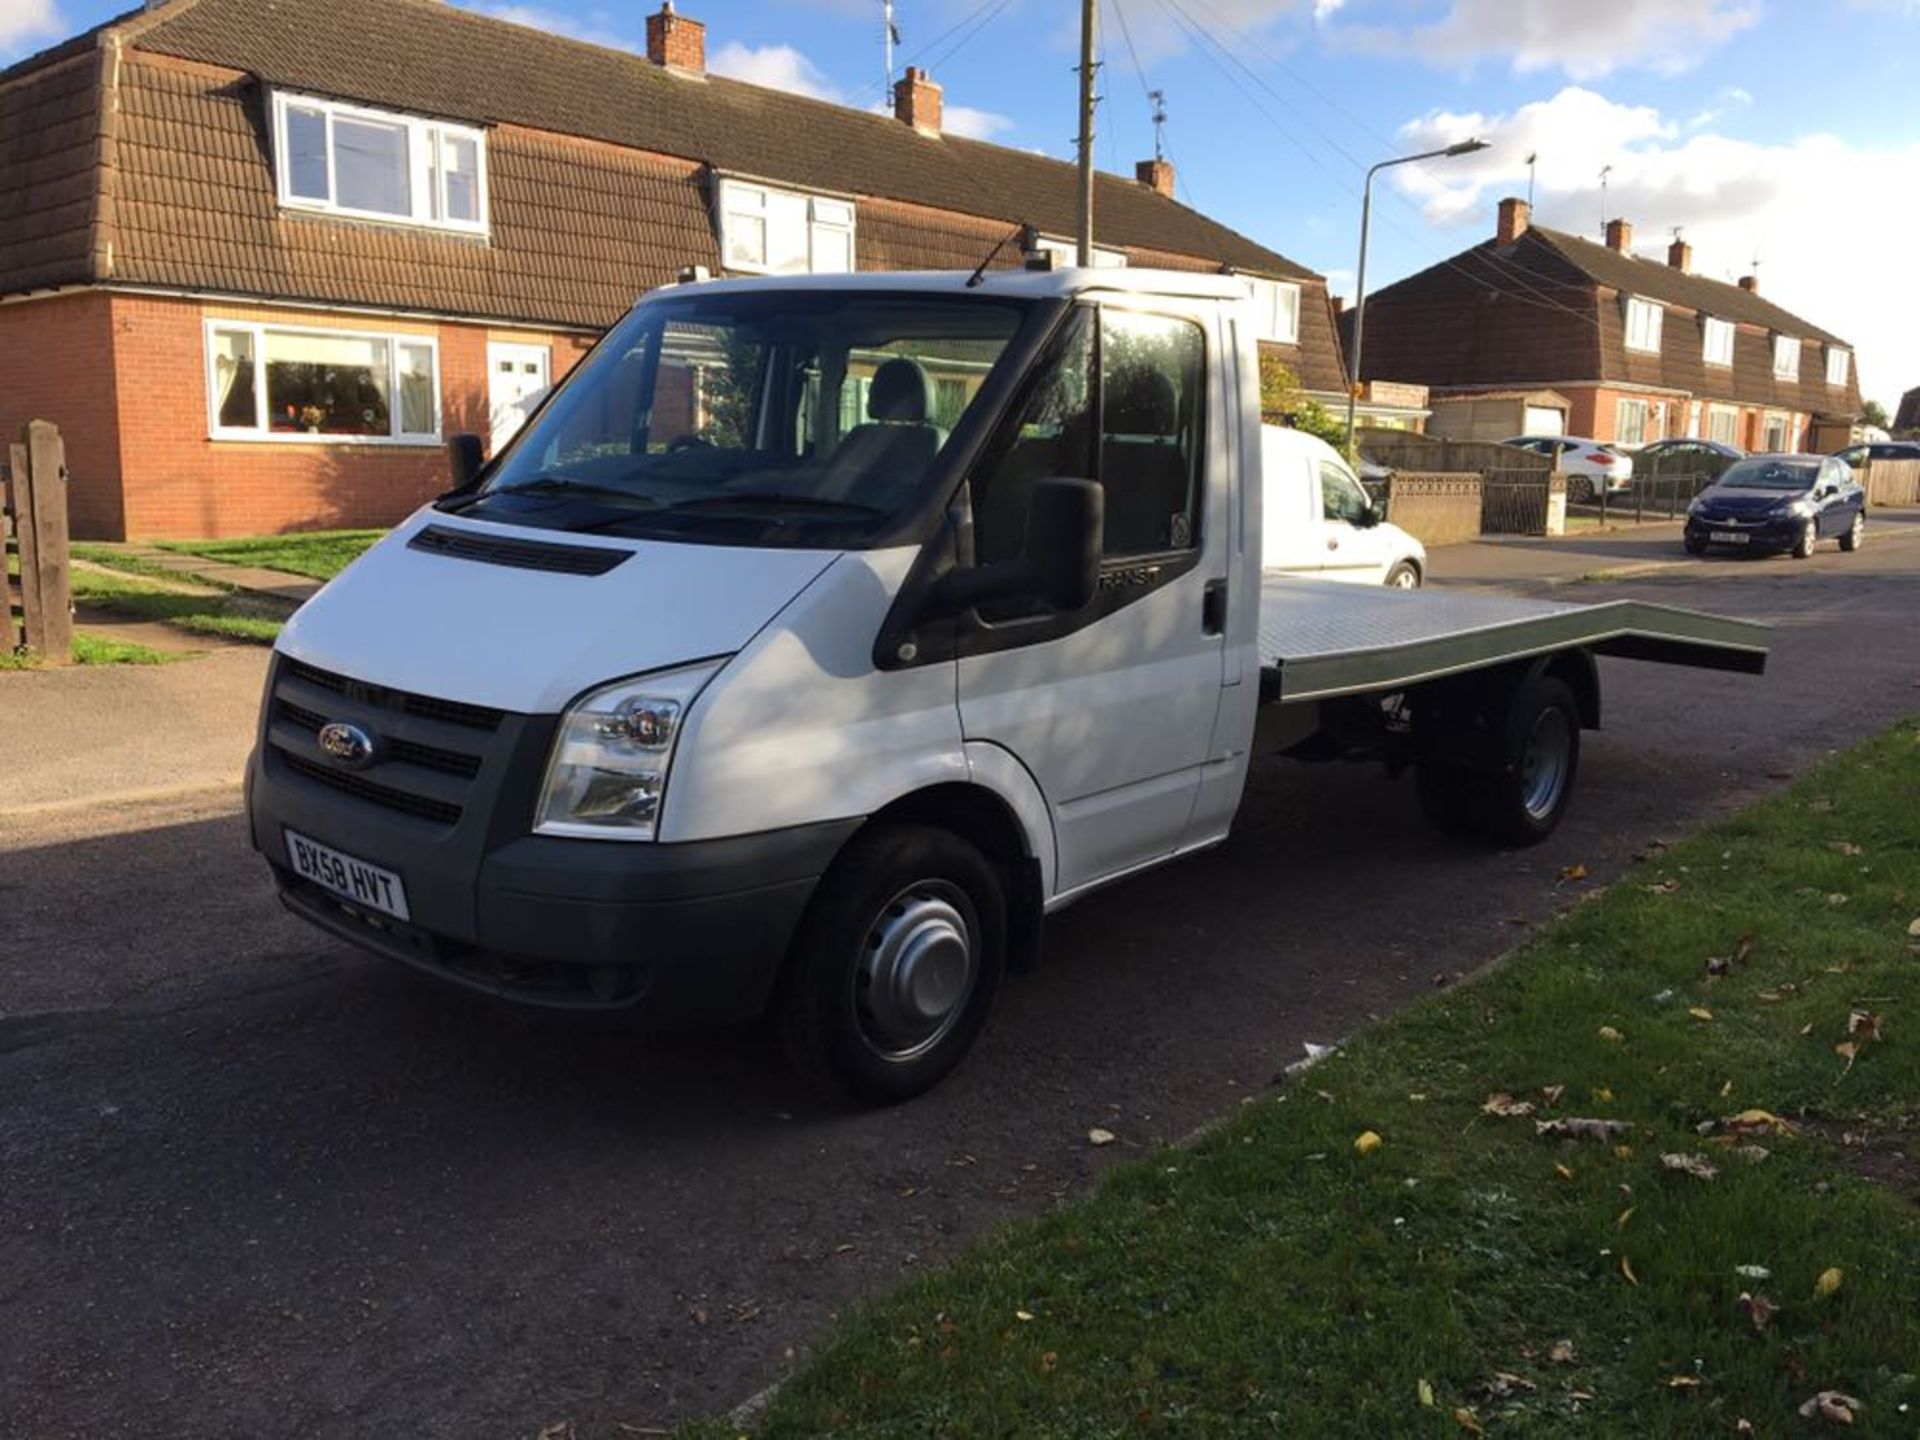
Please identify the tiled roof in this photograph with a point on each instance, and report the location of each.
(49, 151)
(438, 59)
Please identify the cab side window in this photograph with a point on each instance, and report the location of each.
(1152, 417)
(1050, 432)
(1341, 497)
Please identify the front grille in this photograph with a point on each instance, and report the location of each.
(348, 782)
(433, 757)
(519, 554)
(427, 707)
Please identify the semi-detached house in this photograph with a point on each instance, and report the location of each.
(259, 257)
(1644, 349)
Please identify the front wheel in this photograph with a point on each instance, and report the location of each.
(1856, 535)
(1405, 575)
(1696, 544)
(895, 966)
(1804, 542)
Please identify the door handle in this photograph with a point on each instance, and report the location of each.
(1213, 608)
(1333, 542)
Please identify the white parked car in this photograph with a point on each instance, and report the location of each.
(1319, 521)
(1585, 463)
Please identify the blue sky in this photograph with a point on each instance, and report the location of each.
(1781, 130)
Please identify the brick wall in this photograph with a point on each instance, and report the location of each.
(178, 483)
(56, 363)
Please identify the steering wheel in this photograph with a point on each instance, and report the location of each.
(689, 441)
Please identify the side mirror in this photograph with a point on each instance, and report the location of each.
(1374, 514)
(1060, 564)
(465, 456)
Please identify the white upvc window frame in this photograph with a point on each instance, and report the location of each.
(1786, 357)
(264, 433)
(1728, 413)
(426, 186)
(1841, 358)
(1770, 418)
(739, 200)
(1276, 309)
(1651, 317)
(1631, 405)
(1713, 328)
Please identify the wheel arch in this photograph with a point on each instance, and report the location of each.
(1578, 670)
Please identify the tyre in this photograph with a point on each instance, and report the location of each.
(1580, 489)
(1695, 544)
(1405, 575)
(1804, 542)
(896, 963)
(1524, 802)
(1856, 535)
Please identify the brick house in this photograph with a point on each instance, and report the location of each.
(1639, 348)
(259, 260)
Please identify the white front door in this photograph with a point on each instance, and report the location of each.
(1111, 709)
(515, 373)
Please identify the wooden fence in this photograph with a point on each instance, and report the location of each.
(34, 503)
(1428, 454)
(1892, 482)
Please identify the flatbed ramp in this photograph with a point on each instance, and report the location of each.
(1321, 638)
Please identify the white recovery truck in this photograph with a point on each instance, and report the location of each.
(819, 636)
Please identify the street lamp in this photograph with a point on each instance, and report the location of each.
(1461, 147)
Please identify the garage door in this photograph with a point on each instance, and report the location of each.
(1545, 420)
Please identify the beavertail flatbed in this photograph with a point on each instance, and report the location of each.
(1319, 640)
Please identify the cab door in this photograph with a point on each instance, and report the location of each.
(1112, 709)
(1352, 551)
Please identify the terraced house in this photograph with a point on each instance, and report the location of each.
(259, 257)
(1642, 348)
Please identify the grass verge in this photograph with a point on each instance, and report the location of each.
(319, 555)
(1467, 1272)
(96, 650)
(229, 615)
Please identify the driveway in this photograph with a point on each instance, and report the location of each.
(258, 1184)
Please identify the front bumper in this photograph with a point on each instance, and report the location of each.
(1768, 532)
(682, 932)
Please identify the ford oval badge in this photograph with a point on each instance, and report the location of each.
(348, 744)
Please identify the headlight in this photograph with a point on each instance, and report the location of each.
(1801, 506)
(610, 759)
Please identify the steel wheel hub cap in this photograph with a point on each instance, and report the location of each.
(1543, 771)
(916, 971)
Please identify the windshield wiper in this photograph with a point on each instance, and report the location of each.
(560, 485)
(775, 498)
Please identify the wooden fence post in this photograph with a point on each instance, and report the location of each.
(39, 485)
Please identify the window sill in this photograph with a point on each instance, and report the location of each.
(482, 234)
(303, 437)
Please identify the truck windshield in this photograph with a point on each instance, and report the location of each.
(797, 418)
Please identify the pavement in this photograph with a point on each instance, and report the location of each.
(257, 1182)
(190, 568)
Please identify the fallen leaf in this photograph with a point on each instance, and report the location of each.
(1726, 1090)
(1097, 1136)
(1832, 1405)
(1913, 928)
(1807, 1029)
(1048, 1361)
(1426, 1394)
(1683, 1382)
(1570, 873)
(1743, 1426)
(1836, 898)
(1563, 1172)
(1562, 1353)
(1718, 965)
(1662, 887)
(1864, 1023)
(1756, 1122)
(1505, 1382)
(1700, 1012)
(1625, 1215)
(1623, 1152)
(1845, 847)
(1752, 1154)
(1742, 948)
(1769, 997)
(1847, 1050)
(1759, 1309)
(1697, 1166)
(1501, 1103)
(1023, 1315)
(1829, 1282)
(1366, 1142)
(1753, 1272)
(1552, 1093)
(1602, 1095)
(1626, 1269)
(1611, 1035)
(1580, 1128)
(1468, 1421)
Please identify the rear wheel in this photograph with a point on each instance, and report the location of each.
(1536, 745)
(1804, 542)
(1856, 535)
(1405, 575)
(896, 964)
(1580, 488)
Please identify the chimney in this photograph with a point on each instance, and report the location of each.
(1515, 216)
(916, 100)
(1156, 175)
(1619, 236)
(1680, 255)
(1750, 283)
(676, 42)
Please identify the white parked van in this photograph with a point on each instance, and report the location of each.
(1320, 521)
(819, 636)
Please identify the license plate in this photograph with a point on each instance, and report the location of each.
(352, 879)
(1729, 537)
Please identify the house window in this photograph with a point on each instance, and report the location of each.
(1276, 309)
(1717, 343)
(1630, 424)
(1723, 424)
(271, 382)
(1773, 434)
(1643, 324)
(1786, 357)
(782, 232)
(1066, 252)
(1839, 365)
(372, 164)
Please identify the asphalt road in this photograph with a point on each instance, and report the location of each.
(254, 1183)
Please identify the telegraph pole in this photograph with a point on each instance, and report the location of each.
(1089, 20)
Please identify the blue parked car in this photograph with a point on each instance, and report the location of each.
(1780, 502)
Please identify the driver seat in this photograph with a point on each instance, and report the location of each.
(897, 440)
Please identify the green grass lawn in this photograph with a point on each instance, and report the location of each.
(320, 555)
(95, 650)
(227, 615)
(1468, 1272)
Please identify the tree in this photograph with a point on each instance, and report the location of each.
(1283, 402)
(1874, 413)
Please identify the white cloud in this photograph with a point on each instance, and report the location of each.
(1789, 203)
(778, 67)
(597, 29)
(25, 22)
(974, 124)
(1324, 10)
(1585, 38)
